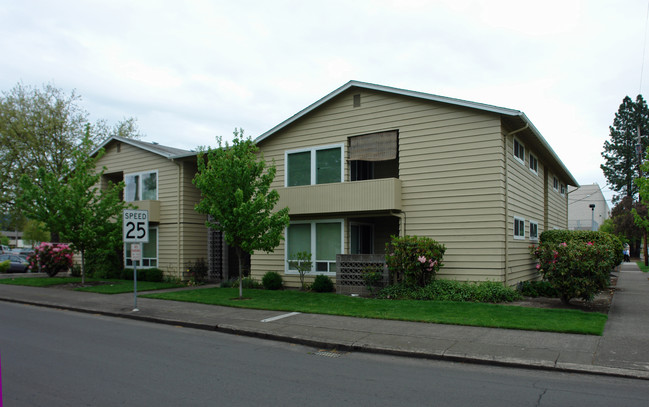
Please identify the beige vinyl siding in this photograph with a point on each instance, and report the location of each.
(557, 205)
(174, 236)
(450, 165)
(525, 200)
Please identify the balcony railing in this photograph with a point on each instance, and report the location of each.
(152, 206)
(357, 196)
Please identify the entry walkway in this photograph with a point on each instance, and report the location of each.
(623, 350)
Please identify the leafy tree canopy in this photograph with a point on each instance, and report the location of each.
(621, 166)
(41, 128)
(236, 194)
(76, 205)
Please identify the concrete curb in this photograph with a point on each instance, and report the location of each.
(366, 348)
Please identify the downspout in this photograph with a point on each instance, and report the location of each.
(507, 135)
(402, 223)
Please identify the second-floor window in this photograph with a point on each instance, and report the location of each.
(141, 186)
(317, 165)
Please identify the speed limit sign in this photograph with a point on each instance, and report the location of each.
(136, 226)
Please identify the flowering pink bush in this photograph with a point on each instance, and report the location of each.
(51, 258)
(414, 260)
(576, 269)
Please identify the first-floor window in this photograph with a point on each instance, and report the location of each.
(149, 251)
(322, 239)
(519, 228)
(534, 231)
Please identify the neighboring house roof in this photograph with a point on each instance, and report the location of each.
(517, 115)
(165, 151)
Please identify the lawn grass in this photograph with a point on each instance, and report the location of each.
(455, 313)
(642, 266)
(42, 281)
(113, 286)
(125, 286)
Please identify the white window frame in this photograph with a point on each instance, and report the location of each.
(313, 151)
(563, 189)
(536, 224)
(534, 159)
(313, 245)
(157, 253)
(140, 181)
(522, 221)
(521, 146)
(555, 183)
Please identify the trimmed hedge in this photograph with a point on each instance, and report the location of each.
(450, 290)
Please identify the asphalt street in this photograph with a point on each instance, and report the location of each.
(52, 357)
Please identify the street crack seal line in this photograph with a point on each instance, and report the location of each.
(280, 317)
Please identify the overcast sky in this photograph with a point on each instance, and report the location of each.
(191, 71)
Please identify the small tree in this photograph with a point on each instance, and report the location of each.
(74, 206)
(303, 264)
(235, 190)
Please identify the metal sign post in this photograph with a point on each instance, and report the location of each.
(136, 255)
(136, 231)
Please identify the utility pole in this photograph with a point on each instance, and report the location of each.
(638, 148)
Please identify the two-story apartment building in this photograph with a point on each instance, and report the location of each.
(368, 161)
(159, 179)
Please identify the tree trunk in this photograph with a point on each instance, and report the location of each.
(83, 267)
(240, 257)
(565, 300)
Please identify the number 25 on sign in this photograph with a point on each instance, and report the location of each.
(136, 226)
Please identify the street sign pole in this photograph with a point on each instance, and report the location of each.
(136, 231)
(136, 255)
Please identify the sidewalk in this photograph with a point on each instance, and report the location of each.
(622, 351)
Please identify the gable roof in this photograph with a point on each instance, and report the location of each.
(165, 151)
(519, 118)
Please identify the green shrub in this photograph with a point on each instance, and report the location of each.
(153, 274)
(611, 246)
(197, 270)
(537, 289)
(249, 282)
(272, 281)
(413, 260)
(322, 284)
(4, 266)
(75, 270)
(373, 278)
(576, 268)
(449, 290)
(127, 274)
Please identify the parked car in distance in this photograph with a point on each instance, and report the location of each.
(4, 249)
(18, 264)
(25, 252)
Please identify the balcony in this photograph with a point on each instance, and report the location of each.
(357, 196)
(152, 206)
